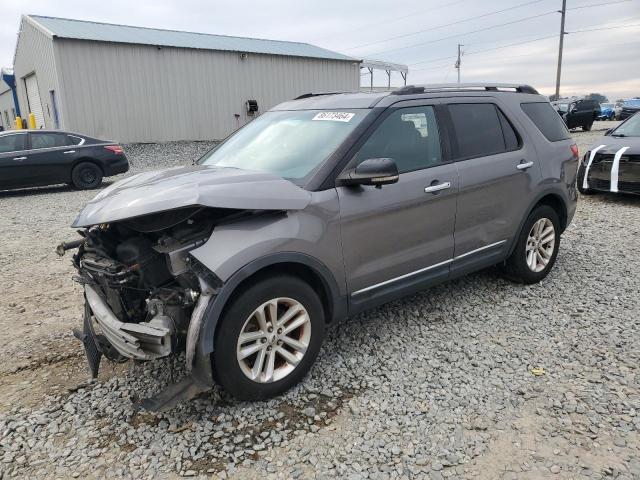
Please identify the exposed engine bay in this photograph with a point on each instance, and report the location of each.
(141, 286)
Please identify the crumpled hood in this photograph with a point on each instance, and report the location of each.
(613, 144)
(197, 185)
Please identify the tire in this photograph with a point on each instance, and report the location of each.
(580, 179)
(516, 267)
(587, 127)
(86, 176)
(235, 374)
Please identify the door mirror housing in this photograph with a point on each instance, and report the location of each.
(374, 171)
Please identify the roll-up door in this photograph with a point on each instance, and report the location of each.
(33, 98)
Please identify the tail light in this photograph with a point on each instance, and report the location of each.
(574, 150)
(117, 149)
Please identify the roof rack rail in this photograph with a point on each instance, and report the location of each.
(311, 94)
(461, 87)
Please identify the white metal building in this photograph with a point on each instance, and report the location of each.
(134, 84)
(7, 105)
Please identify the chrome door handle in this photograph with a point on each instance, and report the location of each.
(19, 159)
(69, 151)
(524, 165)
(438, 187)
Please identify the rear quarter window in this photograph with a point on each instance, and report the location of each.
(547, 120)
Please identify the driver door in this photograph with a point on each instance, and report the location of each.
(398, 239)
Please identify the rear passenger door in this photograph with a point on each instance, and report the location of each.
(498, 172)
(51, 157)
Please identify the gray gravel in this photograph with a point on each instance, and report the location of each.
(438, 385)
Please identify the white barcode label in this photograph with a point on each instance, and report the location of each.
(334, 116)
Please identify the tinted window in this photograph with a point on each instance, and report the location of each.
(12, 143)
(547, 120)
(511, 140)
(48, 140)
(409, 136)
(478, 129)
(73, 140)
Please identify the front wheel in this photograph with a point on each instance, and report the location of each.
(587, 127)
(268, 338)
(537, 247)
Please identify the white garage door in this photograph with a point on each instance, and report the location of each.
(33, 97)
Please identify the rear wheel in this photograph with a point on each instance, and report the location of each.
(86, 175)
(268, 338)
(537, 247)
(587, 127)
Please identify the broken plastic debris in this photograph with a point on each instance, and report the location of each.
(537, 371)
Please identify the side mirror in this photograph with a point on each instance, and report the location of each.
(374, 171)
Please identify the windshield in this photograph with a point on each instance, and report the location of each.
(630, 128)
(562, 107)
(606, 105)
(634, 102)
(290, 144)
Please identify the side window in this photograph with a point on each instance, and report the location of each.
(73, 140)
(478, 129)
(48, 140)
(547, 120)
(511, 140)
(12, 143)
(409, 136)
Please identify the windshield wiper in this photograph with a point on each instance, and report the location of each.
(618, 135)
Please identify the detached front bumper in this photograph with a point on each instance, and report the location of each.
(138, 341)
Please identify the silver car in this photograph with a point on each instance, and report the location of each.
(321, 208)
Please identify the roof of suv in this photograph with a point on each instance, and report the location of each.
(328, 100)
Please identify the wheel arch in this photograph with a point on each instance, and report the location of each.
(554, 200)
(300, 265)
(85, 160)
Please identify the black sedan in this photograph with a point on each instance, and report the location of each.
(613, 163)
(31, 158)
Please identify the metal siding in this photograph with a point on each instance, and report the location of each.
(106, 32)
(34, 54)
(138, 93)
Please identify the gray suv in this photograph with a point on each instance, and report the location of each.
(319, 209)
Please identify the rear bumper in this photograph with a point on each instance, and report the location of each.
(115, 167)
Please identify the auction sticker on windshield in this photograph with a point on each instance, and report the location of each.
(334, 116)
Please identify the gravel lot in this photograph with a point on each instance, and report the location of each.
(438, 385)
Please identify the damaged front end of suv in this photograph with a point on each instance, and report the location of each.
(146, 295)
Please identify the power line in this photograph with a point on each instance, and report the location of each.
(495, 12)
(494, 26)
(387, 21)
(520, 20)
(597, 4)
(606, 28)
(514, 44)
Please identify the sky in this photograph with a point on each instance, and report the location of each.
(504, 40)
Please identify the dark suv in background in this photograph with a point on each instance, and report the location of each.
(581, 113)
(321, 208)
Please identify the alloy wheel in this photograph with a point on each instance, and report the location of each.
(541, 243)
(273, 340)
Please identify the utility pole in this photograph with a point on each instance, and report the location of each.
(458, 62)
(562, 34)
